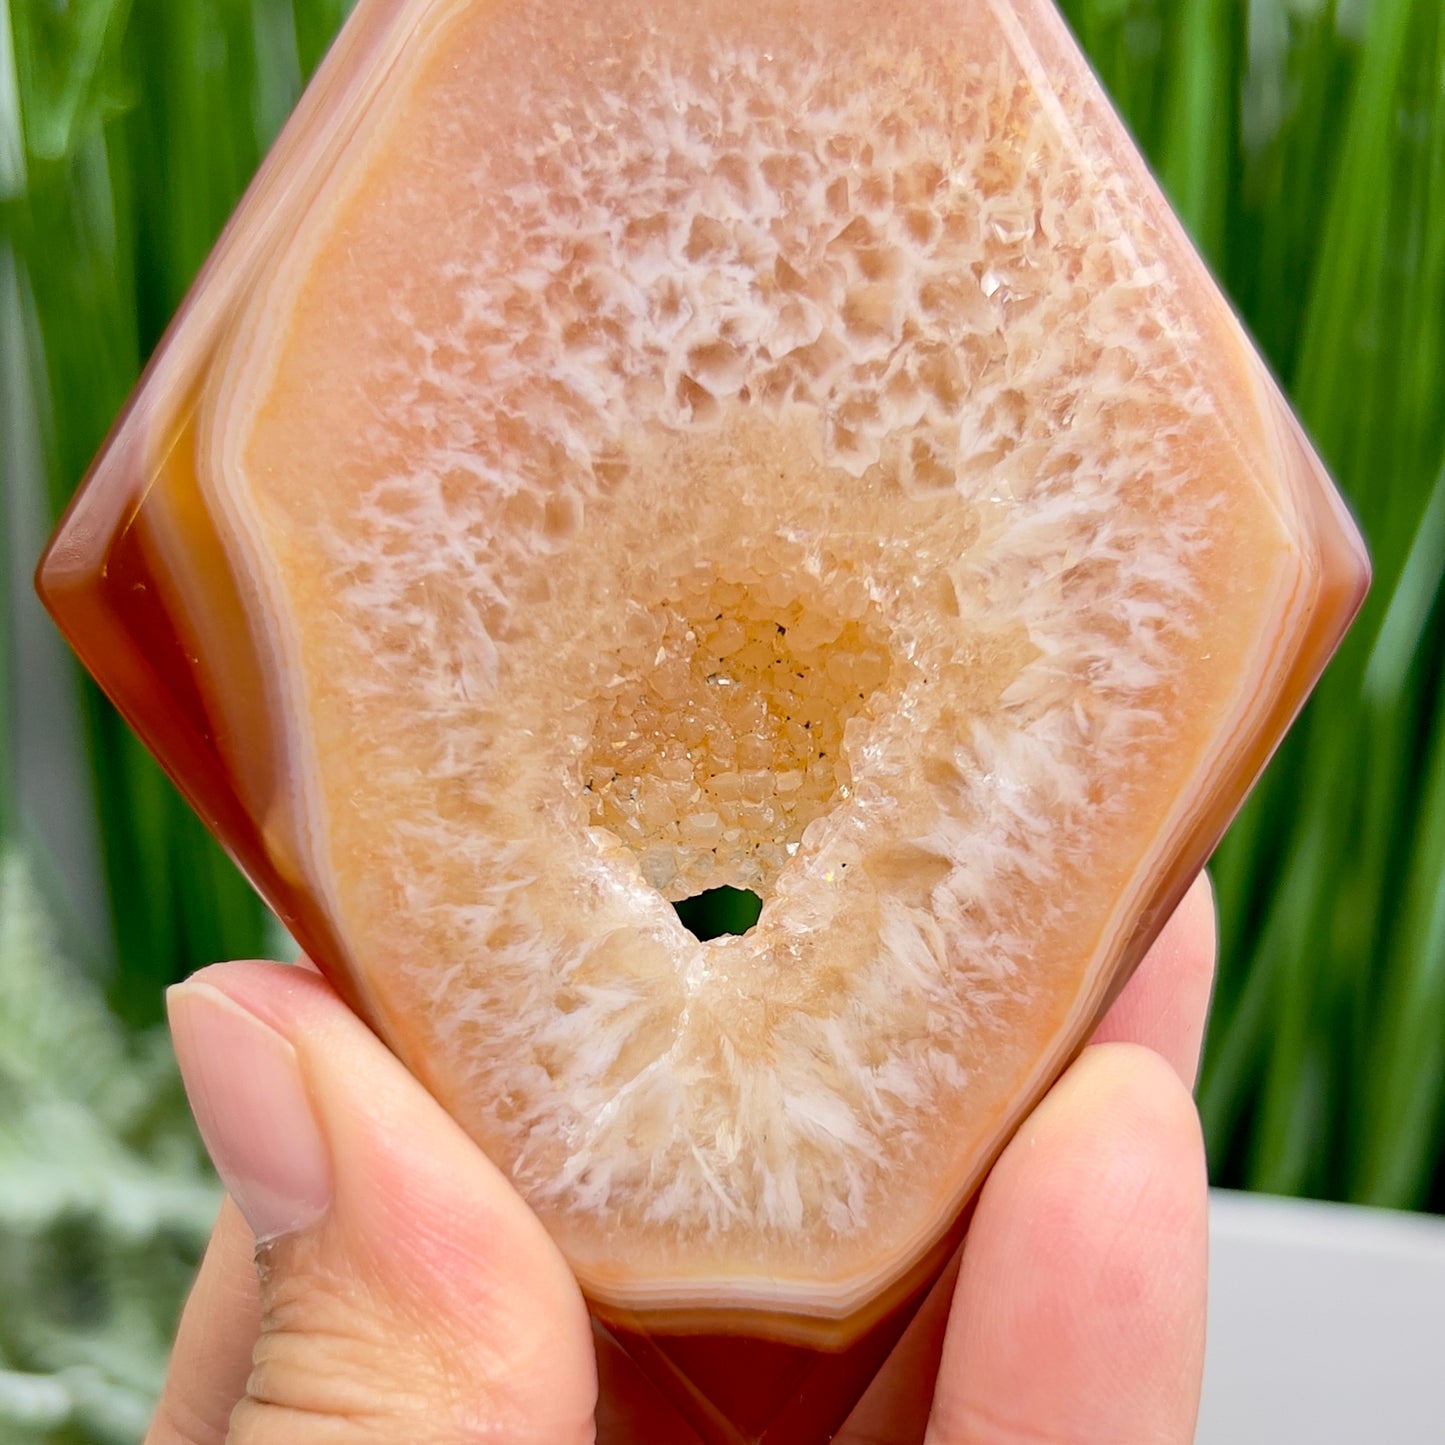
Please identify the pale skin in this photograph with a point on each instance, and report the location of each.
(405, 1293)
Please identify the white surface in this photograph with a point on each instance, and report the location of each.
(1326, 1324)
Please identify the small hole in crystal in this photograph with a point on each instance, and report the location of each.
(719, 912)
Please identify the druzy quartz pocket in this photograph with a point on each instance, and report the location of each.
(622, 450)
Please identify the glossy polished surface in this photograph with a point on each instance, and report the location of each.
(618, 452)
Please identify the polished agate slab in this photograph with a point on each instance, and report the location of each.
(623, 450)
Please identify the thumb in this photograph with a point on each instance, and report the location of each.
(407, 1293)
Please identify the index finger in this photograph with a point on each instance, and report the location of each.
(1163, 1007)
(1165, 1004)
(212, 1355)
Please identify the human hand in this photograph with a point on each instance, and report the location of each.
(401, 1291)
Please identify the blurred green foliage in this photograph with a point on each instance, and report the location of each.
(105, 1197)
(138, 126)
(1304, 144)
(1303, 141)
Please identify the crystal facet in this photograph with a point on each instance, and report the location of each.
(620, 451)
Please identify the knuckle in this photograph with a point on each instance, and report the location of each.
(325, 1365)
(340, 1362)
(326, 1352)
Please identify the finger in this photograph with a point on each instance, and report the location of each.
(1163, 1007)
(406, 1292)
(1165, 1004)
(1079, 1313)
(212, 1354)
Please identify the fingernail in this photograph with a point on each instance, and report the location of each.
(245, 1086)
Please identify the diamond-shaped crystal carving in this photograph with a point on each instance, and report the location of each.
(619, 451)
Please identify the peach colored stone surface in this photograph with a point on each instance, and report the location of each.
(622, 450)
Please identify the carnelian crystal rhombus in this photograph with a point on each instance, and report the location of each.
(621, 451)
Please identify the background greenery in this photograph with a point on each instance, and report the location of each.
(1304, 143)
